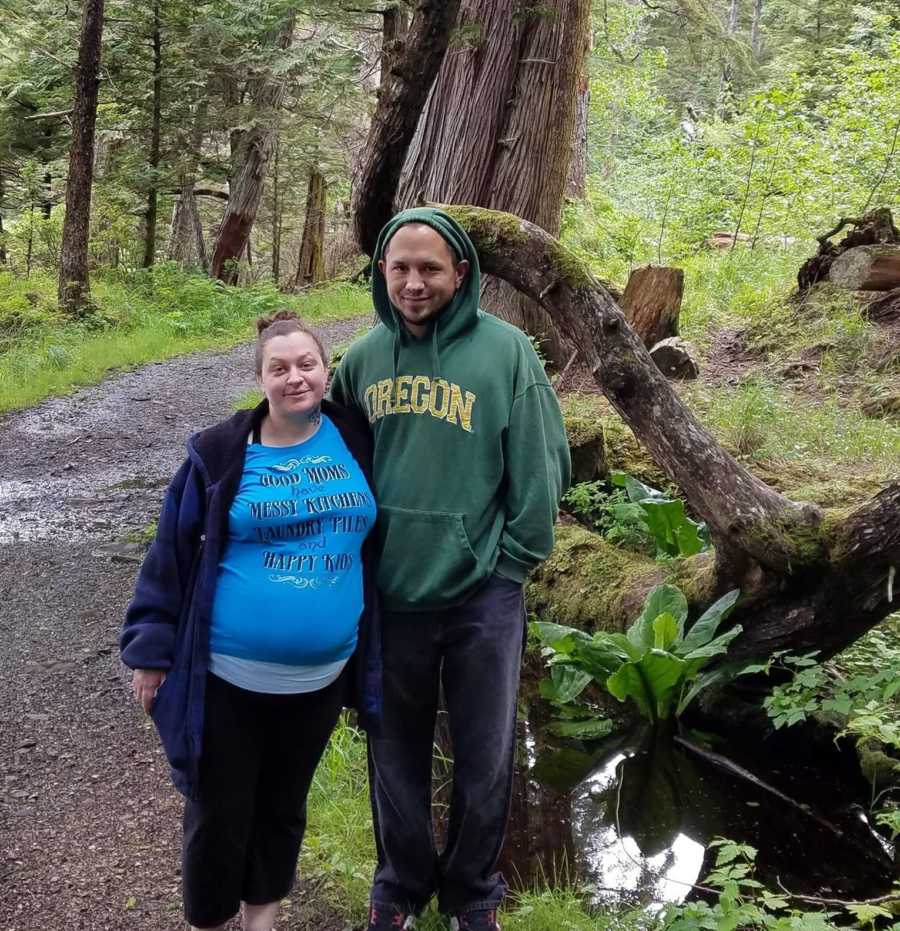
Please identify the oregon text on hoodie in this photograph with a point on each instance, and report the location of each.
(471, 456)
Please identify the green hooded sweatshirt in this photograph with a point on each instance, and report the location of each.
(471, 456)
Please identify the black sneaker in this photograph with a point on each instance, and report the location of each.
(482, 919)
(388, 918)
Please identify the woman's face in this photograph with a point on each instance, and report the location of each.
(293, 375)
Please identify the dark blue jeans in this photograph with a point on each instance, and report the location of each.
(475, 652)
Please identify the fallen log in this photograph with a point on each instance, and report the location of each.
(867, 268)
(873, 228)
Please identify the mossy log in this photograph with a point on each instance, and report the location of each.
(810, 579)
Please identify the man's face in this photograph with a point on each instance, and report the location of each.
(422, 275)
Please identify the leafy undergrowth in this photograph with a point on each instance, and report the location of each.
(142, 317)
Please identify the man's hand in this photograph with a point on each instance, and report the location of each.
(145, 683)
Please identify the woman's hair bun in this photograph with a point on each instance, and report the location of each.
(263, 323)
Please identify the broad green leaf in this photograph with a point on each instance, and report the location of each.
(567, 683)
(629, 683)
(660, 600)
(590, 729)
(705, 627)
(662, 672)
(636, 491)
(716, 646)
(628, 650)
(665, 630)
(560, 638)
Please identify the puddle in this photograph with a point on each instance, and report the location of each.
(630, 819)
(88, 503)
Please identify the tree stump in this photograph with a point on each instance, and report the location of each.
(867, 268)
(652, 302)
(674, 359)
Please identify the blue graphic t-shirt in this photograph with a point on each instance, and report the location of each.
(289, 588)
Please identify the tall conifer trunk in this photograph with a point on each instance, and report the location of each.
(74, 288)
(155, 130)
(254, 152)
(499, 126)
(311, 262)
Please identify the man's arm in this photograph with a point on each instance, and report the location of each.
(538, 470)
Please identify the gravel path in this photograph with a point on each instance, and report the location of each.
(89, 822)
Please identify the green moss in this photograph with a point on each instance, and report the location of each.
(696, 577)
(487, 228)
(590, 584)
(490, 228)
(570, 268)
(583, 420)
(804, 542)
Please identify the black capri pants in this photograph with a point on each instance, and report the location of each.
(242, 835)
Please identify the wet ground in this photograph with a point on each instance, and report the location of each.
(89, 822)
(631, 818)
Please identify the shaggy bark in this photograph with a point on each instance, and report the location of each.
(806, 576)
(513, 83)
(74, 288)
(155, 131)
(399, 105)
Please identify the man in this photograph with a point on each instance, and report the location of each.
(470, 462)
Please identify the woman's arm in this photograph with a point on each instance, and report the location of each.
(148, 634)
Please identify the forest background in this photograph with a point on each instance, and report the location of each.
(756, 124)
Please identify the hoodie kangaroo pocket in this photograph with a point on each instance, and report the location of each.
(425, 556)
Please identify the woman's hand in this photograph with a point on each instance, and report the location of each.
(145, 683)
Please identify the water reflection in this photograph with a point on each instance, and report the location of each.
(632, 818)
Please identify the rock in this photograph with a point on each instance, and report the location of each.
(867, 268)
(674, 358)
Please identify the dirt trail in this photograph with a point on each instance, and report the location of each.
(89, 823)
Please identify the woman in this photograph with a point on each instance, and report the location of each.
(256, 593)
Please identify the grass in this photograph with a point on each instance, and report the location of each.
(339, 854)
(138, 318)
(735, 289)
(763, 419)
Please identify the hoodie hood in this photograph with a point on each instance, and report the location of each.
(462, 312)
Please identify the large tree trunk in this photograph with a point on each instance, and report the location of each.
(311, 261)
(255, 148)
(155, 129)
(187, 246)
(74, 289)
(395, 27)
(809, 579)
(515, 90)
